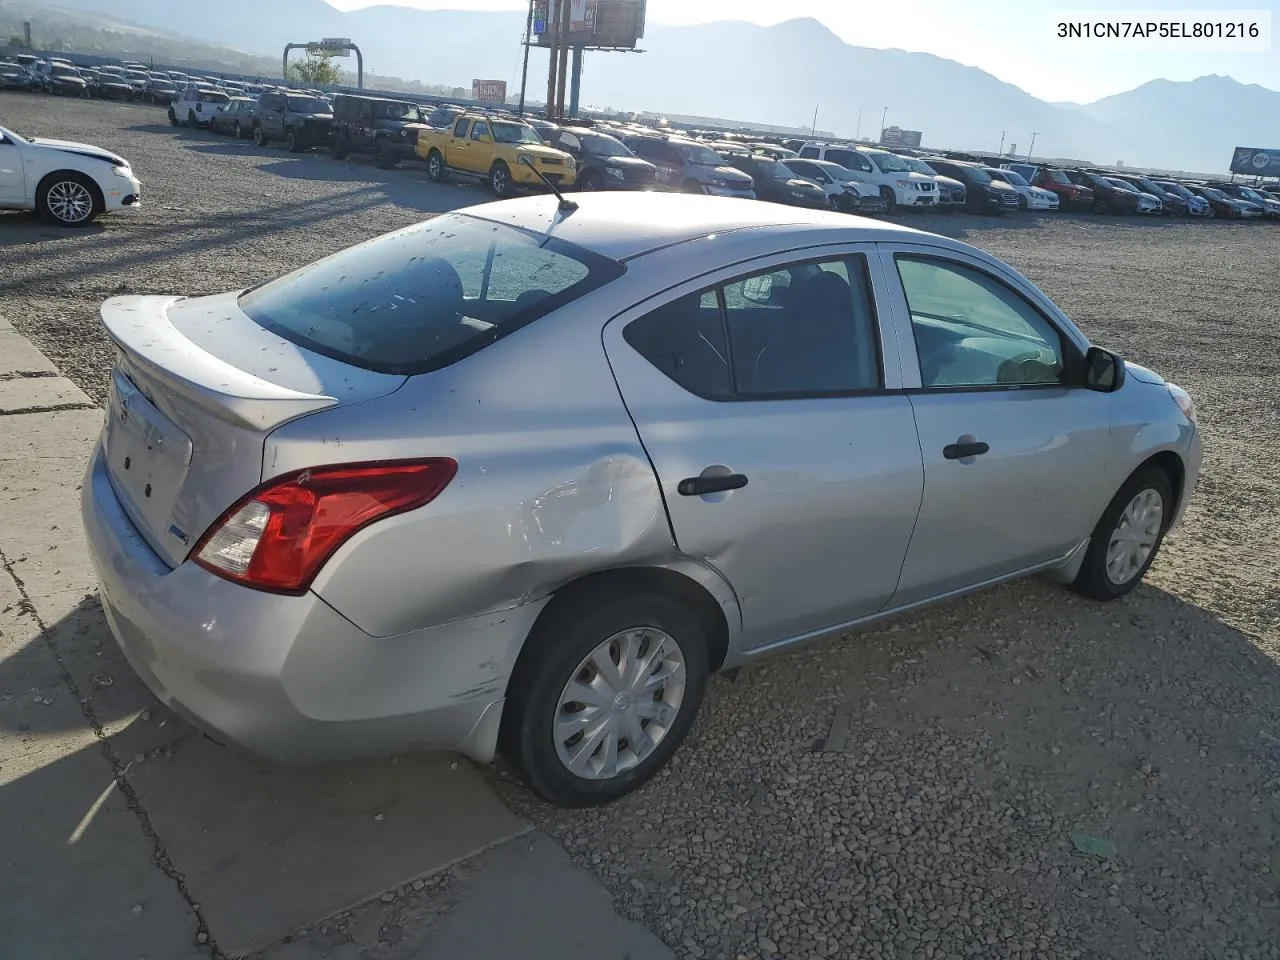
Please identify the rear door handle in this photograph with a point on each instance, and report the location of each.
(961, 451)
(697, 486)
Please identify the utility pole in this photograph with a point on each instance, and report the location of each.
(566, 13)
(553, 59)
(858, 132)
(814, 131)
(1000, 152)
(1032, 147)
(882, 116)
(524, 71)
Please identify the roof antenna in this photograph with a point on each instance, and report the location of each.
(566, 205)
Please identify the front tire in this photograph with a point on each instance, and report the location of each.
(890, 201)
(291, 141)
(436, 171)
(590, 182)
(259, 137)
(69, 199)
(500, 180)
(341, 148)
(173, 117)
(192, 122)
(606, 692)
(383, 157)
(1128, 537)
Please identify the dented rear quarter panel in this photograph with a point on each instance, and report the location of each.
(552, 481)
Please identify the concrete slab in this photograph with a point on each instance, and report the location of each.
(65, 435)
(267, 848)
(17, 355)
(25, 393)
(522, 899)
(77, 879)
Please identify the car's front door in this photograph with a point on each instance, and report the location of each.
(1015, 458)
(666, 158)
(786, 454)
(271, 114)
(13, 183)
(480, 154)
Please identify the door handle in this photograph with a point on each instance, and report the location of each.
(961, 451)
(697, 486)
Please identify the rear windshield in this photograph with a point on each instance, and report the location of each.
(426, 296)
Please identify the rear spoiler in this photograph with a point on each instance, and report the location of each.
(140, 328)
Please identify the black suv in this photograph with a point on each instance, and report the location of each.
(386, 129)
(299, 119)
(604, 163)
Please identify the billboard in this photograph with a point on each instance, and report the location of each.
(1256, 161)
(897, 137)
(489, 91)
(592, 23)
(331, 47)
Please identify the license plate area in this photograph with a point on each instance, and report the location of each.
(147, 456)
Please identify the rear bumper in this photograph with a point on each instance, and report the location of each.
(288, 677)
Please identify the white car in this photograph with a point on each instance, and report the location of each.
(197, 104)
(895, 181)
(848, 190)
(1029, 197)
(70, 183)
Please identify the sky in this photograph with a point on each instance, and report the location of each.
(1012, 39)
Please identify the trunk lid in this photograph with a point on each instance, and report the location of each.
(196, 388)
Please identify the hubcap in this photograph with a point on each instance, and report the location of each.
(1134, 536)
(620, 703)
(70, 201)
(499, 181)
(434, 167)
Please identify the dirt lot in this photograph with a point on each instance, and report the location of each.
(981, 736)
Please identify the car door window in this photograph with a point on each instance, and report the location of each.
(972, 330)
(480, 131)
(803, 329)
(685, 340)
(800, 330)
(569, 142)
(462, 129)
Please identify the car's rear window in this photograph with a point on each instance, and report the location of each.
(426, 296)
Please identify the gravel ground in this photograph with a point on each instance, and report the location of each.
(976, 744)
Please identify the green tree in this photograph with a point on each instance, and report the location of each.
(19, 42)
(315, 71)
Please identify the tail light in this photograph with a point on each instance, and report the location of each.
(278, 536)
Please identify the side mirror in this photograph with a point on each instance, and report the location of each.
(1103, 371)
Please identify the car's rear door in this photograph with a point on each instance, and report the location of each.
(457, 148)
(1015, 458)
(766, 396)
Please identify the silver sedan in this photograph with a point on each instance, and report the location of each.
(522, 476)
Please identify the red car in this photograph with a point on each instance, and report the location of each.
(1071, 196)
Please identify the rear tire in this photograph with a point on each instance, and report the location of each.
(192, 122)
(341, 148)
(557, 653)
(1128, 537)
(173, 117)
(238, 131)
(291, 141)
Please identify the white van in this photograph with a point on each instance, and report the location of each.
(898, 185)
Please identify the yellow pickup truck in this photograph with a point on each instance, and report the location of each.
(490, 148)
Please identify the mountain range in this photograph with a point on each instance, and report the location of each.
(769, 75)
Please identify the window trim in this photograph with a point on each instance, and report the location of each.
(865, 253)
(1071, 351)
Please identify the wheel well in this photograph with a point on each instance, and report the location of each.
(676, 585)
(1173, 468)
(99, 201)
